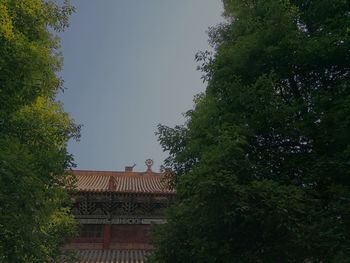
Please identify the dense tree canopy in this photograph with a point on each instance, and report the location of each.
(262, 166)
(34, 130)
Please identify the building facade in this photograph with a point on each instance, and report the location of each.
(116, 212)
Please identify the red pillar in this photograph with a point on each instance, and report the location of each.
(107, 236)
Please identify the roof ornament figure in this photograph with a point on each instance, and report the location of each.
(112, 184)
(149, 163)
(129, 168)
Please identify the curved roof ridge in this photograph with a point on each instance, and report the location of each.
(120, 173)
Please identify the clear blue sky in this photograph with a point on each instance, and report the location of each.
(129, 65)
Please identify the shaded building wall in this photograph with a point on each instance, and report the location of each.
(117, 221)
(131, 234)
(118, 236)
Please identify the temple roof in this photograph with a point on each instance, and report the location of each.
(108, 256)
(121, 182)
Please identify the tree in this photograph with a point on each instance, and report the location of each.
(34, 131)
(261, 166)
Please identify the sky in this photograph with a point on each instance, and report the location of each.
(128, 66)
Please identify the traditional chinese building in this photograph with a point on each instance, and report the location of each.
(116, 211)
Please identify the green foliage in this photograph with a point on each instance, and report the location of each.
(34, 130)
(33, 222)
(262, 164)
(29, 56)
